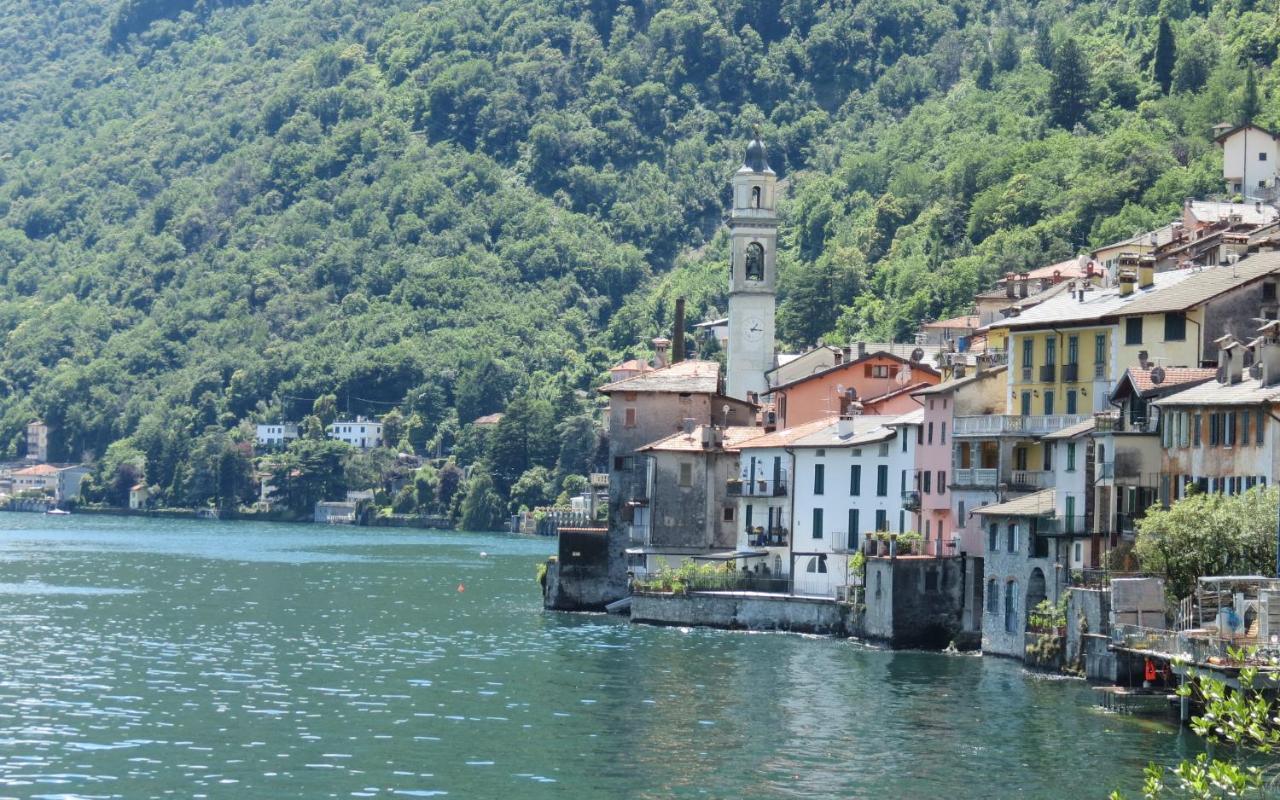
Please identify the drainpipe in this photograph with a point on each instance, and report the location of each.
(791, 517)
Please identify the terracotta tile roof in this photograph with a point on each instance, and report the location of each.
(634, 365)
(909, 389)
(488, 419)
(1173, 376)
(1072, 431)
(694, 377)
(731, 438)
(1037, 504)
(788, 436)
(871, 354)
(38, 470)
(956, 383)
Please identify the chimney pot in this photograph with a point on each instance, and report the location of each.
(660, 345)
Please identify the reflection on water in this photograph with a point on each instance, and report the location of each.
(143, 658)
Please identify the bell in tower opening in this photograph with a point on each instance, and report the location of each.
(753, 234)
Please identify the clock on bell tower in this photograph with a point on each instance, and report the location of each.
(753, 234)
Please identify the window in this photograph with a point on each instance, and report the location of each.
(993, 537)
(930, 433)
(1099, 354)
(884, 449)
(1133, 330)
(942, 481)
(1026, 404)
(960, 513)
(1048, 456)
(1079, 553)
(1011, 607)
(1229, 429)
(928, 529)
(944, 433)
(852, 542)
(629, 418)
(882, 480)
(1012, 538)
(1028, 355)
(817, 523)
(1175, 327)
(819, 477)
(1213, 431)
(902, 433)
(1258, 429)
(755, 262)
(902, 522)
(1071, 401)
(1195, 429)
(1050, 351)
(993, 596)
(928, 488)
(1262, 156)
(1048, 403)
(818, 564)
(882, 520)
(755, 196)
(876, 370)
(855, 480)
(1071, 456)
(1244, 428)
(1073, 349)
(728, 513)
(686, 474)
(1071, 514)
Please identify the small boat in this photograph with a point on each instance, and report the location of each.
(57, 512)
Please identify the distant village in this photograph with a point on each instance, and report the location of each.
(948, 490)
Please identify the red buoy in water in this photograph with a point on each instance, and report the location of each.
(461, 588)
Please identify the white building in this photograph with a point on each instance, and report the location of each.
(277, 434)
(360, 432)
(37, 442)
(852, 475)
(1248, 159)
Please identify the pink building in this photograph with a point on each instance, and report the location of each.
(933, 467)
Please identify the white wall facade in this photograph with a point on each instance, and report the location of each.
(364, 434)
(1249, 161)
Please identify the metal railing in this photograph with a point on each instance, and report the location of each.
(1048, 372)
(773, 537)
(976, 477)
(911, 500)
(757, 488)
(1070, 373)
(996, 424)
(1099, 578)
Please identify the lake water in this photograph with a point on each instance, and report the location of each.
(148, 658)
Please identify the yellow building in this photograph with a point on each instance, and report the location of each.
(1066, 354)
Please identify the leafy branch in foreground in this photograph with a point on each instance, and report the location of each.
(1241, 729)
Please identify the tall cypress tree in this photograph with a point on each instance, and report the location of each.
(1006, 51)
(1166, 55)
(1068, 86)
(1044, 48)
(1249, 104)
(984, 74)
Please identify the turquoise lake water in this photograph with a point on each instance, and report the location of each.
(158, 659)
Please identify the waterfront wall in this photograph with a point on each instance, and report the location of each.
(915, 601)
(748, 611)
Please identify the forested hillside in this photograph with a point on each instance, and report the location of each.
(220, 211)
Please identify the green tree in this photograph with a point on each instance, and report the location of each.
(984, 74)
(1249, 102)
(1044, 47)
(448, 481)
(1209, 534)
(393, 429)
(532, 489)
(1007, 55)
(325, 409)
(309, 471)
(1166, 55)
(482, 509)
(1069, 88)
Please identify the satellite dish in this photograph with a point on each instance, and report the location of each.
(1255, 371)
(851, 393)
(839, 388)
(1157, 375)
(916, 355)
(904, 376)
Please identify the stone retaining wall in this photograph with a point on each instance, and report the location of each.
(748, 611)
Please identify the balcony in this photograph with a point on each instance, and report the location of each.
(1048, 373)
(775, 537)
(1013, 424)
(1070, 373)
(1026, 479)
(977, 477)
(911, 500)
(1077, 525)
(741, 488)
(1107, 471)
(638, 533)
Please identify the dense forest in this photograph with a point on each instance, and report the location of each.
(219, 212)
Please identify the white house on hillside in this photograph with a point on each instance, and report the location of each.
(277, 434)
(1248, 159)
(361, 432)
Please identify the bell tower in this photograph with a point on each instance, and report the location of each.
(753, 276)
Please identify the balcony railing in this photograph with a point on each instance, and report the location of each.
(911, 500)
(757, 488)
(773, 537)
(1048, 372)
(977, 477)
(1061, 525)
(639, 533)
(1015, 424)
(1030, 479)
(1070, 373)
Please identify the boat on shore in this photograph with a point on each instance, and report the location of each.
(57, 512)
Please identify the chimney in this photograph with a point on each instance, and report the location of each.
(1146, 272)
(1267, 353)
(1024, 284)
(1143, 358)
(861, 348)
(1010, 285)
(1127, 281)
(660, 346)
(844, 425)
(1230, 359)
(677, 335)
